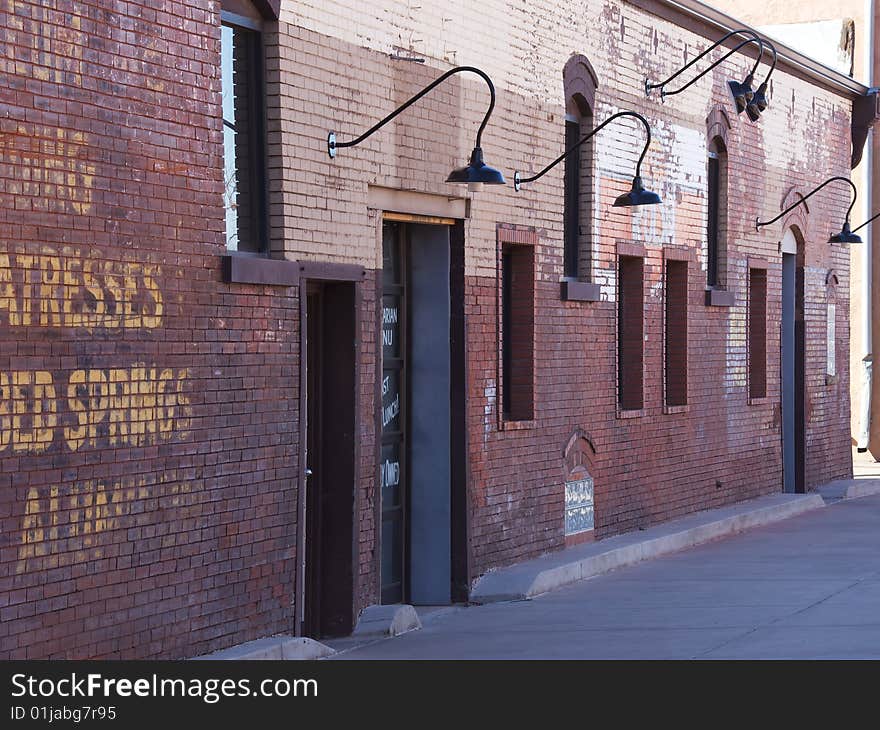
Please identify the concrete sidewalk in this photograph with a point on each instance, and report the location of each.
(850, 489)
(549, 572)
(864, 465)
(554, 570)
(801, 588)
(865, 481)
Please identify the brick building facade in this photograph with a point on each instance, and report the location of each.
(162, 398)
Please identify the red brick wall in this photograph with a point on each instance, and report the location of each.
(649, 466)
(149, 413)
(147, 410)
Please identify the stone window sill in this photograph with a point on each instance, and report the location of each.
(245, 269)
(510, 425)
(720, 298)
(579, 291)
(676, 409)
(630, 413)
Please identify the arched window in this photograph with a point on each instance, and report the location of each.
(573, 171)
(716, 221)
(580, 93)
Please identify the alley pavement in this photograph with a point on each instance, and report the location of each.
(804, 588)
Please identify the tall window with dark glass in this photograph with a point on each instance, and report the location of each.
(716, 194)
(244, 149)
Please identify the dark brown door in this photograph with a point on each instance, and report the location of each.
(330, 465)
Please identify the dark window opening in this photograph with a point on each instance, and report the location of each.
(244, 147)
(517, 331)
(757, 333)
(676, 366)
(630, 333)
(717, 212)
(572, 198)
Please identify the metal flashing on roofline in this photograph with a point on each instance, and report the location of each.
(788, 57)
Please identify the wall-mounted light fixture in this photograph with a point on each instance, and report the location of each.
(636, 196)
(845, 235)
(745, 99)
(477, 172)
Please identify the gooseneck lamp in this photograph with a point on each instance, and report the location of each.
(744, 97)
(636, 196)
(477, 172)
(845, 235)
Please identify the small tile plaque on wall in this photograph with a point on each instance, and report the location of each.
(578, 506)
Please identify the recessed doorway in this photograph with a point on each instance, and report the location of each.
(330, 400)
(422, 469)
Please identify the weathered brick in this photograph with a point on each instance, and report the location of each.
(152, 516)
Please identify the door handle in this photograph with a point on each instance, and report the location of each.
(308, 472)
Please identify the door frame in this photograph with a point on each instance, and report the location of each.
(460, 473)
(461, 557)
(319, 272)
(800, 375)
(402, 243)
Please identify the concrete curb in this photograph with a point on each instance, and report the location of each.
(272, 647)
(555, 570)
(850, 489)
(388, 620)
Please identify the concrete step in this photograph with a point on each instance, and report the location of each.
(388, 620)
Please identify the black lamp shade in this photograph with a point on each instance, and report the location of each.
(637, 196)
(758, 103)
(476, 172)
(742, 93)
(760, 97)
(845, 236)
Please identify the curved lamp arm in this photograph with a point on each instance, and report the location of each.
(758, 223)
(766, 81)
(873, 217)
(718, 62)
(753, 37)
(517, 180)
(772, 48)
(333, 144)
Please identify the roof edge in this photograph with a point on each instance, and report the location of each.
(788, 57)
